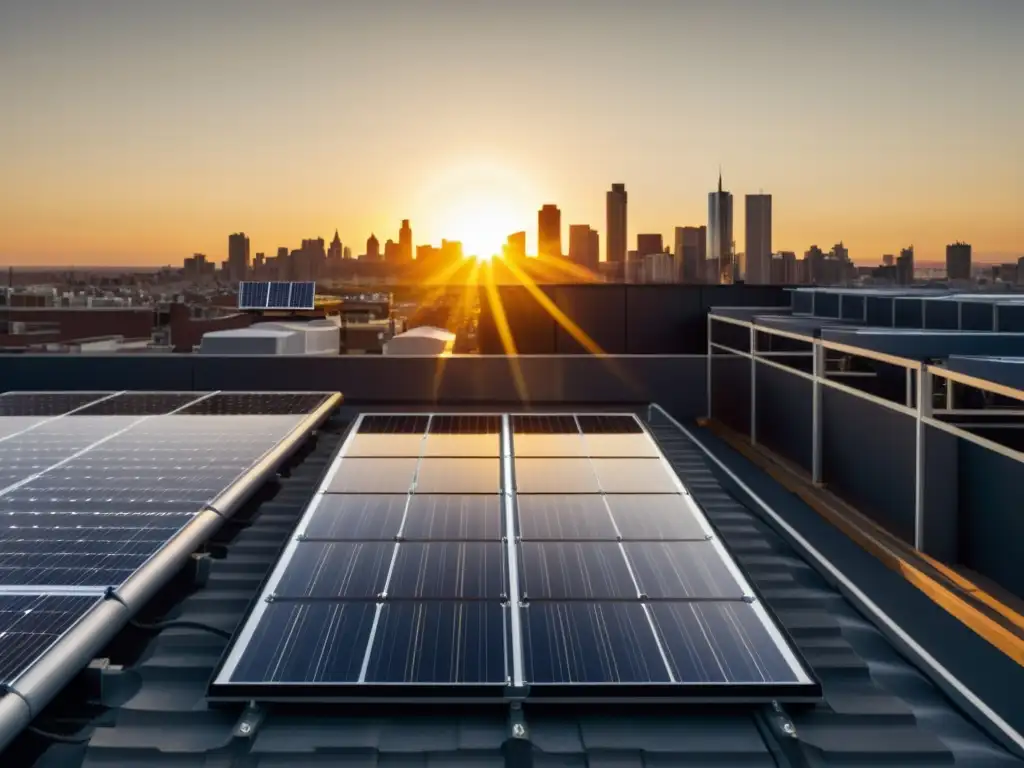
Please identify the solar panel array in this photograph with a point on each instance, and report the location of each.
(93, 485)
(276, 295)
(482, 557)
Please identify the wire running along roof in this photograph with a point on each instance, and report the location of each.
(481, 557)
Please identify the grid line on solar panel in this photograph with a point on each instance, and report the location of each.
(31, 624)
(155, 465)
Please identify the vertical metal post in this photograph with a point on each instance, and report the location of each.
(950, 395)
(816, 414)
(909, 396)
(924, 411)
(710, 350)
(959, 315)
(753, 384)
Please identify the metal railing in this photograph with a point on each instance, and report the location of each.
(918, 402)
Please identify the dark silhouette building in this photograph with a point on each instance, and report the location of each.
(549, 232)
(405, 242)
(958, 261)
(720, 233)
(373, 248)
(584, 248)
(615, 204)
(238, 256)
(759, 238)
(648, 244)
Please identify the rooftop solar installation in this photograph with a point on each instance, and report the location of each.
(449, 574)
(93, 486)
(276, 295)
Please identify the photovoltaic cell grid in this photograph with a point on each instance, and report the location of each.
(398, 574)
(467, 556)
(93, 485)
(276, 295)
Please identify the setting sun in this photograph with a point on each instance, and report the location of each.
(479, 204)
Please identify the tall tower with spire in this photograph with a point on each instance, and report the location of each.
(373, 248)
(335, 250)
(719, 250)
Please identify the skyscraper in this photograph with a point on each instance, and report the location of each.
(335, 250)
(583, 246)
(238, 256)
(691, 254)
(549, 232)
(373, 248)
(615, 204)
(759, 238)
(390, 251)
(405, 242)
(958, 261)
(720, 232)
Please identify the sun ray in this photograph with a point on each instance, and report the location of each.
(505, 333)
(552, 309)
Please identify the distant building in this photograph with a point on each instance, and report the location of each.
(405, 242)
(373, 248)
(958, 261)
(905, 266)
(759, 239)
(615, 203)
(888, 260)
(691, 254)
(451, 250)
(720, 241)
(549, 232)
(583, 246)
(238, 256)
(346, 253)
(659, 268)
(515, 246)
(335, 250)
(390, 251)
(648, 244)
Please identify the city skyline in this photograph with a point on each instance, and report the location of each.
(139, 134)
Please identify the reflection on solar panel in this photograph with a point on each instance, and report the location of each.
(96, 484)
(31, 624)
(469, 572)
(298, 295)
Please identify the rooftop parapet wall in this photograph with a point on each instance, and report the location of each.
(935, 470)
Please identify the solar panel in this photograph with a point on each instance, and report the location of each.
(138, 404)
(279, 295)
(45, 403)
(87, 500)
(31, 624)
(303, 296)
(489, 573)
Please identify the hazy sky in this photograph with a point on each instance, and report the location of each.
(139, 131)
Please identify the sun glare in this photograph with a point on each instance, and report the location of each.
(480, 205)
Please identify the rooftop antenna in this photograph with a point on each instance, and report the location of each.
(719, 178)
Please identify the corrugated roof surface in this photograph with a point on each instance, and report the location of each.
(878, 710)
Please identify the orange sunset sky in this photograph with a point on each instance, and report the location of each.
(136, 132)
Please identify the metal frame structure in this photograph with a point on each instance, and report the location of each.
(222, 688)
(33, 689)
(918, 404)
